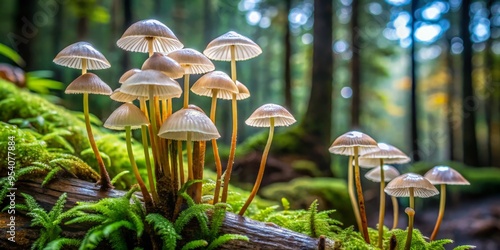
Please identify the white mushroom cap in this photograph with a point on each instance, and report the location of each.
(72, 56)
(400, 186)
(88, 83)
(119, 96)
(390, 173)
(445, 175)
(219, 49)
(141, 83)
(243, 92)
(165, 64)
(127, 75)
(261, 116)
(216, 80)
(344, 144)
(126, 115)
(135, 38)
(188, 121)
(389, 153)
(192, 61)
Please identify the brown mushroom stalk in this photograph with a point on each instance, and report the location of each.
(361, 200)
(411, 216)
(186, 91)
(262, 167)
(382, 206)
(395, 210)
(350, 186)
(145, 146)
(181, 163)
(442, 204)
(218, 164)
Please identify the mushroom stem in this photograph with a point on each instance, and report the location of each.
(261, 168)
(186, 90)
(144, 190)
(145, 146)
(84, 66)
(411, 216)
(169, 107)
(361, 200)
(441, 212)
(105, 182)
(152, 110)
(164, 109)
(189, 149)
(181, 162)
(150, 46)
(382, 206)
(218, 165)
(232, 151)
(395, 208)
(350, 186)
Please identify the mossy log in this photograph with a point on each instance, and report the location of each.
(261, 235)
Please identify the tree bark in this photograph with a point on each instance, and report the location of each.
(413, 92)
(287, 59)
(261, 235)
(469, 102)
(317, 122)
(355, 66)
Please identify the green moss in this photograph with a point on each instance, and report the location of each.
(301, 192)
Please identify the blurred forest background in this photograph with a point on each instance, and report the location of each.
(429, 85)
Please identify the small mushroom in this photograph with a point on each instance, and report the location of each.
(243, 92)
(127, 74)
(216, 84)
(267, 115)
(129, 117)
(353, 144)
(82, 55)
(148, 36)
(388, 154)
(232, 47)
(119, 96)
(390, 173)
(193, 62)
(410, 185)
(189, 125)
(443, 175)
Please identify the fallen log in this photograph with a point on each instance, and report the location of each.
(261, 235)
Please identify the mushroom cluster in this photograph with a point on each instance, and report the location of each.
(363, 151)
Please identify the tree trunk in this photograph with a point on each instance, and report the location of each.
(26, 31)
(287, 59)
(355, 66)
(317, 121)
(450, 118)
(413, 94)
(261, 235)
(469, 102)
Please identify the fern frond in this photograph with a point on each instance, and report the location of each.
(88, 218)
(165, 229)
(195, 244)
(198, 211)
(217, 219)
(51, 175)
(39, 218)
(438, 244)
(313, 210)
(118, 176)
(465, 247)
(136, 222)
(92, 239)
(117, 241)
(263, 214)
(57, 209)
(61, 243)
(223, 239)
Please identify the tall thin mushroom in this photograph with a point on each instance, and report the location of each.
(355, 143)
(128, 117)
(443, 175)
(388, 154)
(82, 55)
(410, 185)
(267, 115)
(232, 47)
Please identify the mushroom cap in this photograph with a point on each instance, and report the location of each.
(165, 64)
(217, 80)
(243, 92)
(219, 49)
(189, 120)
(72, 56)
(261, 116)
(119, 96)
(344, 144)
(88, 83)
(445, 175)
(192, 61)
(135, 38)
(389, 153)
(390, 173)
(126, 115)
(127, 74)
(400, 186)
(141, 83)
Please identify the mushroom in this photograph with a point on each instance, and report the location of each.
(353, 144)
(82, 55)
(390, 173)
(193, 62)
(443, 175)
(410, 185)
(127, 74)
(232, 47)
(119, 96)
(388, 154)
(128, 117)
(189, 125)
(216, 84)
(267, 115)
(148, 36)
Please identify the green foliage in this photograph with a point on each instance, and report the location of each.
(61, 243)
(11, 54)
(113, 218)
(165, 229)
(195, 244)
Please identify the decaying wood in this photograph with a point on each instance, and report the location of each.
(261, 235)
